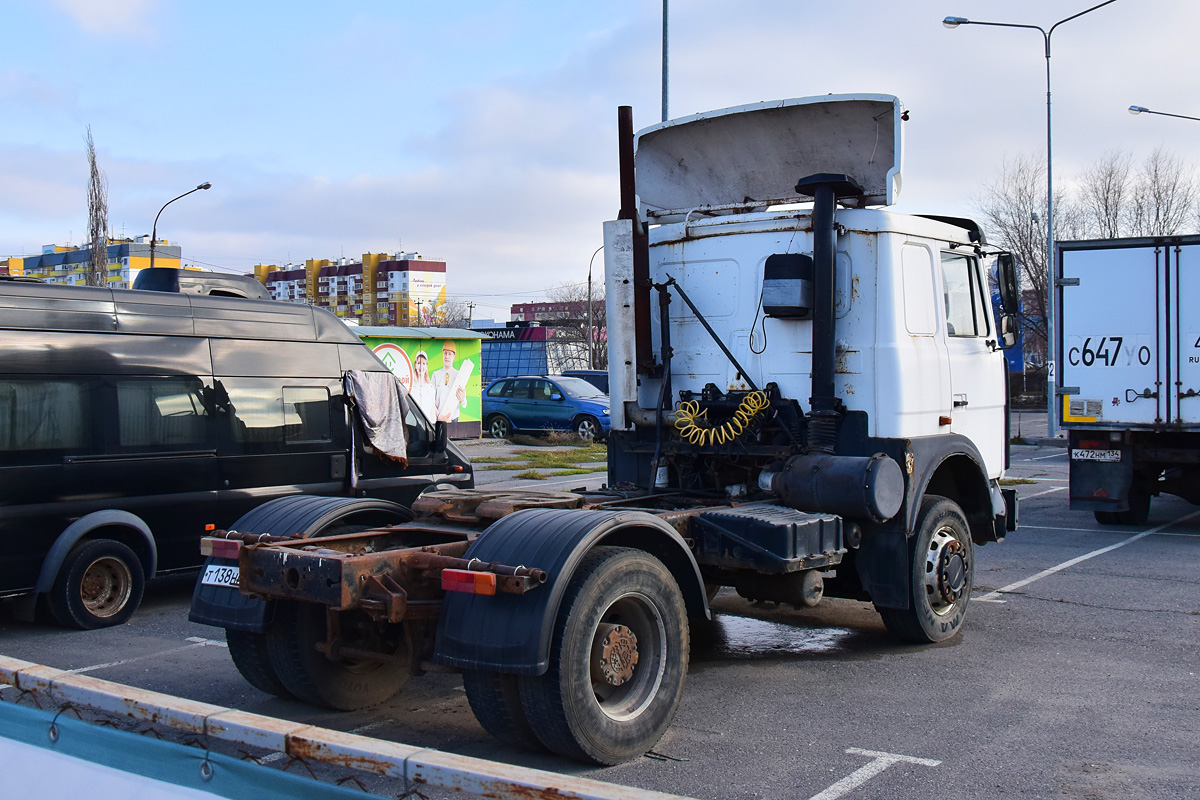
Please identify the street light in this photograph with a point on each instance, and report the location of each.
(1135, 110)
(954, 22)
(154, 228)
(592, 361)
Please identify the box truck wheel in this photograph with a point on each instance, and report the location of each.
(942, 573)
(347, 683)
(495, 700)
(618, 659)
(99, 585)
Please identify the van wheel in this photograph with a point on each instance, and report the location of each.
(346, 684)
(618, 660)
(498, 427)
(941, 575)
(99, 585)
(250, 656)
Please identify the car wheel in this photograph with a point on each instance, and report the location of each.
(498, 427)
(588, 428)
(99, 585)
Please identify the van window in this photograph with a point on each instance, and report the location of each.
(44, 414)
(306, 410)
(162, 412)
(966, 313)
(264, 415)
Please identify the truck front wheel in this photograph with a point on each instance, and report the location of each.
(941, 575)
(618, 660)
(344, 684)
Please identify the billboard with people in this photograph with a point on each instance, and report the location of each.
(442, 375)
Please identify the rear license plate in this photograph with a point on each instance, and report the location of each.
(220, 575)
(1096, 455)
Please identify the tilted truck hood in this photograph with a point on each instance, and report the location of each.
(760, 151)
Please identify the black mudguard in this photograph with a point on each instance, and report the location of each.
(511, 632)
(306, 515)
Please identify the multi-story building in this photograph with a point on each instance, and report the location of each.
(531, 312)
(382, 289)
(70, 265)
(409, 290)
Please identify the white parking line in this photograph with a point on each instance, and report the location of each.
(195, 641)
(991, 596)
(880, 762)
(1048, 491)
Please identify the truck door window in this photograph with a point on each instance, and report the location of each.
(162, 413)
(39, 414)
(966, 313)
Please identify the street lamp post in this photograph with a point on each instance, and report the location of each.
(154, 228)
(954, 22)
(591, 360)
(1135, 110)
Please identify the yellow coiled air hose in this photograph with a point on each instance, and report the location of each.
(688, 413)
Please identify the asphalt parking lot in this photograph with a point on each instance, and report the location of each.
(1075, 675)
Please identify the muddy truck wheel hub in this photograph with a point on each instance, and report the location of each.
(614, 654)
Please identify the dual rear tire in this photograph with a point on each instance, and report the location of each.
(618, 659)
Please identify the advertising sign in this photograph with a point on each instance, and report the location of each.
(442, 377)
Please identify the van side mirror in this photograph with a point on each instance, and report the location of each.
(440, 437)
(1006, 279)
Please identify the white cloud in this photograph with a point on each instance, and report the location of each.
(109, 16)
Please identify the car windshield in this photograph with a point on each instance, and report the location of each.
(578, 387)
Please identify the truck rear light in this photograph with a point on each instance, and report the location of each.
(1092, 444)
(462, 580)
(220, 548)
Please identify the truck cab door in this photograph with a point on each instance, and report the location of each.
(977, 376)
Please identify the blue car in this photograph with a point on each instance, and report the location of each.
(538, 403)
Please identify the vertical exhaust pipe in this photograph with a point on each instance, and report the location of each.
(641, 243)
(825, 189)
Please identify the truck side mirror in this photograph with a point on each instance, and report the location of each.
(1006, 278)
(1008, 331)
(440, 436)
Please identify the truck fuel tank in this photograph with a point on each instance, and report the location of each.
(862, 487)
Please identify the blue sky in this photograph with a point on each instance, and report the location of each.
(484, 133)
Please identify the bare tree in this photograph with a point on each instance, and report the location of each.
(1164, 195)
(572, 329)
(454, 314)
(1105, 195)
(97, 197)
(1014, 210)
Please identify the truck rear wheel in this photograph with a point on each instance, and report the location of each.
(346, 684)
(495, 700)
(941, 575)
(618, 660)
(250, 656)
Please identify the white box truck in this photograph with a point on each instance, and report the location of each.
(1129, 372)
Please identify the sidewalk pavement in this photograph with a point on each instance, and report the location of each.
(1030, 425)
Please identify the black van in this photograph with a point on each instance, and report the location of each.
(132, 422)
